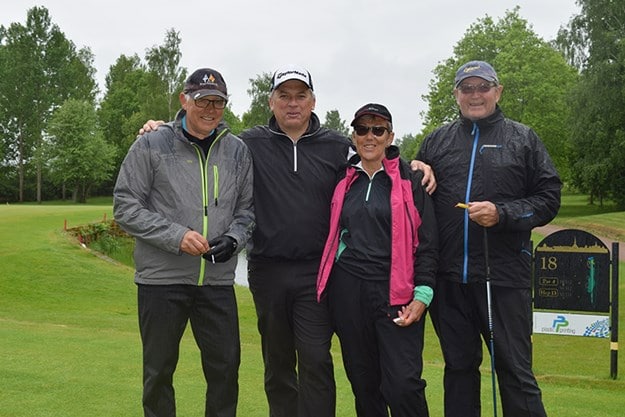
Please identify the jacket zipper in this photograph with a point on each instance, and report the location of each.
(294, 156)
(204, 176)
(465, 261)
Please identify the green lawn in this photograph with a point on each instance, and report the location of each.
(69, 343)
(606, 221)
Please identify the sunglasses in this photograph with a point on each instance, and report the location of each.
(471, 88)
(363, 130)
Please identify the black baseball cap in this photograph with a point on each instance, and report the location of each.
(373, 109)
(206, 82)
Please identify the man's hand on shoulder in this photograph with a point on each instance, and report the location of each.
(150, 126)
(429, 180)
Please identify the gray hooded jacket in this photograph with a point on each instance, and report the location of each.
(166, 187)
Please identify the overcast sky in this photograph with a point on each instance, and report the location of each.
(357, 51)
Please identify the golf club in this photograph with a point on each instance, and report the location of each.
(489, 309)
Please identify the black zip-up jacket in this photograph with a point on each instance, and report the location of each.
(383, 228)
(293, 185)
(499, 160)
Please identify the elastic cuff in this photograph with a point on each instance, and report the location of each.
(424, 294)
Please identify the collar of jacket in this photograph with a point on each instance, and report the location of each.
(313, 125)
(392, 152)
(484, 123)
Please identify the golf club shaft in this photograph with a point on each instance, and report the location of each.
(489, 309)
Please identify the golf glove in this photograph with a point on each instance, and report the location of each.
(221, 249)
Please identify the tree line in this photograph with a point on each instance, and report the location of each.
(58, 140)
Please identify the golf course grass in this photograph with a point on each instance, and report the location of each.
(70, 347)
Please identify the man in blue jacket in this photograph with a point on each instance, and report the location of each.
(502, 174)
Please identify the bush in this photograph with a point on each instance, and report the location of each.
(107, 238)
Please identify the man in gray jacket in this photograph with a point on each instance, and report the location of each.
(185, 193)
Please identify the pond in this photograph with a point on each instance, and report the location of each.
(240, 274)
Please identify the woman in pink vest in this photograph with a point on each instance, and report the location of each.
(377, 270)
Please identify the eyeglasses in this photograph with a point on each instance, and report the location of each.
(363, 130)
(471, 88)
(205, 102)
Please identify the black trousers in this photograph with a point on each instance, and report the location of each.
(164, 311)
(460, 317)
(296, 336)
(383, 361)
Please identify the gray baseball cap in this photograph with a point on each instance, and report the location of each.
(479, 69)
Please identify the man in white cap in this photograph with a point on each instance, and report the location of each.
(296, 165)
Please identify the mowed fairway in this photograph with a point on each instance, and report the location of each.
(69, 342)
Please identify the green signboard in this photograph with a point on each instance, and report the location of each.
(572, 272)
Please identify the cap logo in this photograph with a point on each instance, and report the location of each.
(291, 73)
(208, 79)
(471, 69)
(282, 74)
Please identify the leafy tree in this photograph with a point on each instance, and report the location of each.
(233, 121)
(409, 145)
(334, 122)
(9, 128)
(79, 156)
(163, 62)
(535, 76)
(40, 69)
(120, 114)
(594, 42)
(259, 112)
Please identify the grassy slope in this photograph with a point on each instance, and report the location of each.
(69, 344)
(602, 221)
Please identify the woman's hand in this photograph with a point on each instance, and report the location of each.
(410, 313)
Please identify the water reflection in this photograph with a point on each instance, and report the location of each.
(240, 274)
